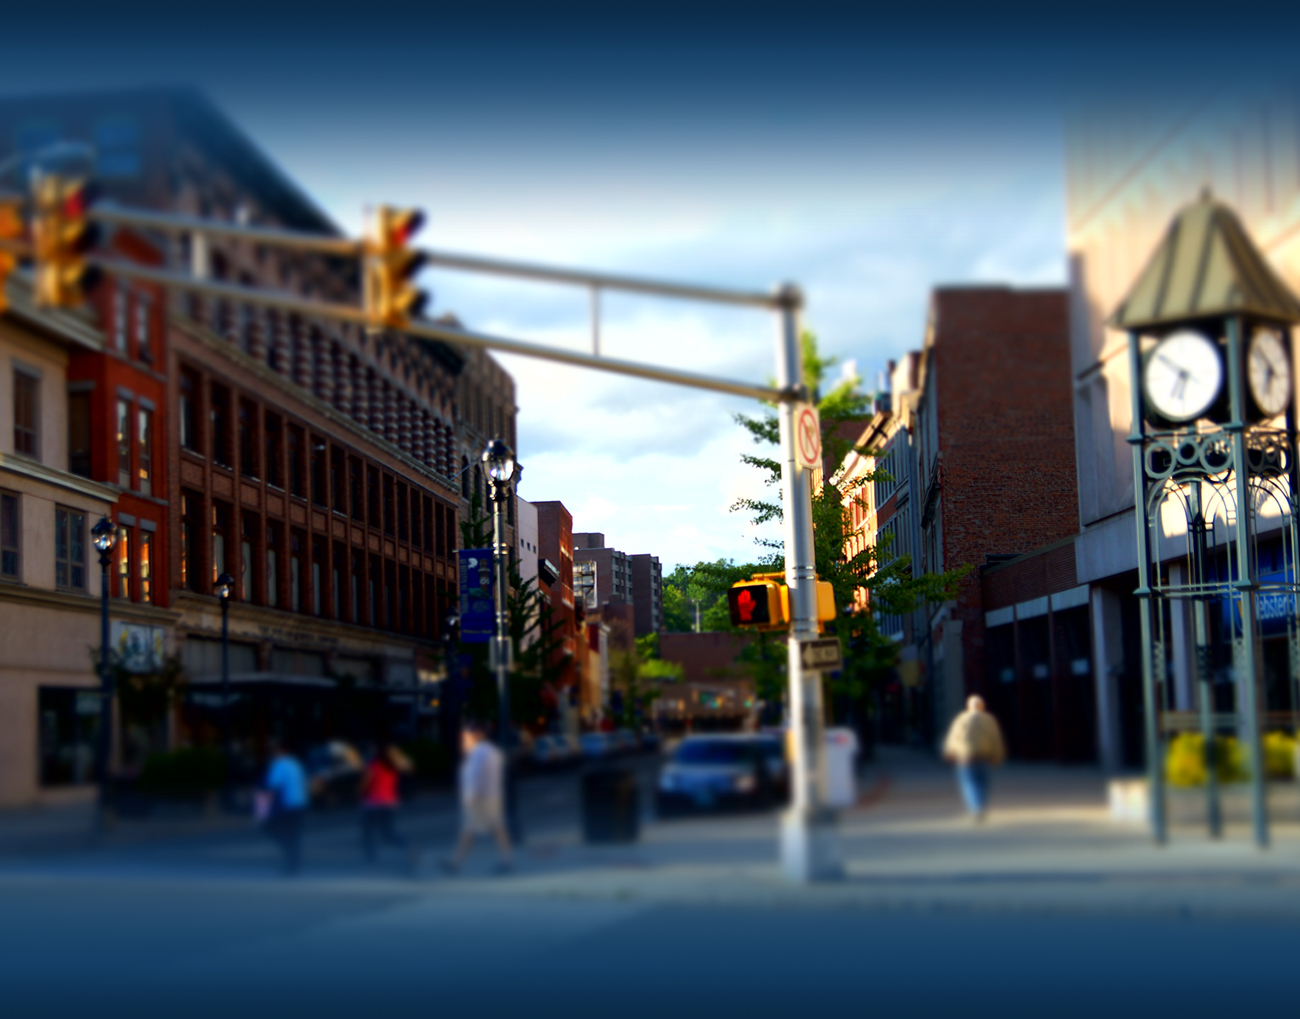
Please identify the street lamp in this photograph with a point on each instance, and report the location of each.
(104, 537)
(500, 462)
(225, 584)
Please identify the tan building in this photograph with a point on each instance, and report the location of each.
(49, 571)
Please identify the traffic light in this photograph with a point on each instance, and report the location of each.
(61, 235)
(392, 298)
(759, 603)
(12, 232)
(763, 602)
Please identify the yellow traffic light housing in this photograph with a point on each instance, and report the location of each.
(763, 602)
(61, 235)
(392, 298)
(13, 232)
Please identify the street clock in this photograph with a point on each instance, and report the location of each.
(1183, 376)
(1268, 370)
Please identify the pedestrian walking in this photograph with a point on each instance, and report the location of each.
(974, 744)
(380, 797)
(482, 795)
(286, 784)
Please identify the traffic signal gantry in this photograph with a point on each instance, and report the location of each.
(391, 296)
(763, 602)
(62, 235)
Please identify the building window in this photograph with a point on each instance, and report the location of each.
(191, 519)
(338, 480)
(248, 530)
(428, 525)
(189, 386)
(121, 299)
(296, 465)
(79, 434)
(143, 314)
(220, 425)
(317, 576)
(248, 438)
(336, 586)
(272, 433)
(373, 592)
(26, 412)
(358, 568)
(389, 521)
(403, 521)
(9, 535)
(122, 566)
(272, 565)
(124, 443)
(220, 537)
(464, 477)
(295, 571)
(354, 486)
(318, 471)
(69, 733)
(70, 548)
(372, 496)
(145, 468)
(146, 566)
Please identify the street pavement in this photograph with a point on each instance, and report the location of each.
(1048, 909)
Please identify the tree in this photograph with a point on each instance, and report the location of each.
(890, 586)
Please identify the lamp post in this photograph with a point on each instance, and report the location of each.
(104, 536)
(225, 584)
(500, 462)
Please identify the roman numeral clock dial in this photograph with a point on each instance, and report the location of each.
(1183, 375)
(1268, 370)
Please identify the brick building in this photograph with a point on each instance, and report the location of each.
(555, 548)
(647, 593)
(995, 458)
(312, 461)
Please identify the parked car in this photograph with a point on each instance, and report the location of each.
(624, 741)
(595, 745)
(722, 772)
(333, 773)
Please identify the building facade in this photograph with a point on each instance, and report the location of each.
(647, 593)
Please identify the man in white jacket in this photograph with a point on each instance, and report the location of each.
(482, 796)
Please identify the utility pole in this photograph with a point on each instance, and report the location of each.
(809, 837)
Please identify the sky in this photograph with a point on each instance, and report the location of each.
(866, 158)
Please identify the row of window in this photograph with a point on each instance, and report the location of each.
(290, 457)
(132, 331)
(285, 567)
(132, 569)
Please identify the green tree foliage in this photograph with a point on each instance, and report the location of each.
(891, 588)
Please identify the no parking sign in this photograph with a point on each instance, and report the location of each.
(807, 436)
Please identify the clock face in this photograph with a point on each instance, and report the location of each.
(1183, 375)
(1268, 368)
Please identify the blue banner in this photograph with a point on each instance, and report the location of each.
(476, 611)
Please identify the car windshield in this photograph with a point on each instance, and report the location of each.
(712, 752)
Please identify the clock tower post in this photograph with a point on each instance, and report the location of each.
(1215, 491)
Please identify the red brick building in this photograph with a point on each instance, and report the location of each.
(995, 468)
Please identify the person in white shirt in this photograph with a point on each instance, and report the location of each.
(482, 795)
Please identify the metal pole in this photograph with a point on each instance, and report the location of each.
(1246, 646)
(501, 650)
(1204, 686)
(809, 844)
(104, 818)
(1150, 700)
(225, 701)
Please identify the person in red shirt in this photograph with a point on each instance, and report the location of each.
(380, 797)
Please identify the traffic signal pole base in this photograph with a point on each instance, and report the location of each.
(810, 846)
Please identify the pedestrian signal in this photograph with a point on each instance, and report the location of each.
(392, 298)
(62, 234)
(757, 603)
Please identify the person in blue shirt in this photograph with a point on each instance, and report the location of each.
(286, 781)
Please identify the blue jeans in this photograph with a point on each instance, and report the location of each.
(973, 779)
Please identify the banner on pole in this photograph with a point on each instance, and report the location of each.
(476, 611)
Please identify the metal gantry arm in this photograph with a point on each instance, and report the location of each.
(809, 848)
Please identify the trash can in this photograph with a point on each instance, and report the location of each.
(610, 805)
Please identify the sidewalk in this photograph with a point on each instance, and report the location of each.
(1049, 845)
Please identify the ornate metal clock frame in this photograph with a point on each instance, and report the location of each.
(1230, 478)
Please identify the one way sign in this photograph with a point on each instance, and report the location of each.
(821, 655)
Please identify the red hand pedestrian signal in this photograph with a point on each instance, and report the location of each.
(755, 603)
